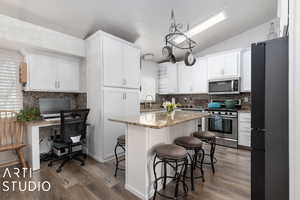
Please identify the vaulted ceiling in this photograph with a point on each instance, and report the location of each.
(144, 22)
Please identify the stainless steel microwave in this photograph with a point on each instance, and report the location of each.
(224, 86)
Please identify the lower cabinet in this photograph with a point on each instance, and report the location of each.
(117, 102)
(244, 127)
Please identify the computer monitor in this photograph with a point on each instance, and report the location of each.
(54, 105)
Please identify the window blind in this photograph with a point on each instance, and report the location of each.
(11, 97)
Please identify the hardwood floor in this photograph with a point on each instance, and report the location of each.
(95, 181)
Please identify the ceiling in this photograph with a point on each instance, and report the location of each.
(144, 22)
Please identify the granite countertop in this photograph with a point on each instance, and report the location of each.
(142, 110)
(159, 120)
(42, 123)
(244, 111)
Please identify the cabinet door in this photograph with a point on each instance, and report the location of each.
(132, 102)
(114, 102)
(231, 64)
(200, 81)
(215, 66)
(42, 73)
(68, 74)
(246, 70)
(167, 78)
(113, 62)
(185, 76)
(131, 66)
(172, 78)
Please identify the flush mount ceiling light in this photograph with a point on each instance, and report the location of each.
(175, 31)
(202, 27)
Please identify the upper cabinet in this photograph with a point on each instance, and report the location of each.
(193, 79)
(121, 64)
(53, 73)
(224, 65)
(246, 70)
(167, 78)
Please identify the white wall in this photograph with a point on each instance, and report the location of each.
(148, 79)
(242, 40)
(294, 96)
(19, 34)
(282, 13)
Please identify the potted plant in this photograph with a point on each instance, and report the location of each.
(170, 108)
(28, 115)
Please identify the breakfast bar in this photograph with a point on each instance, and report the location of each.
(143, 134)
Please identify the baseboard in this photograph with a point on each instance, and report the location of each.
(137, 193)
(244, 147)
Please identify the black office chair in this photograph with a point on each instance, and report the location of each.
(72, 134)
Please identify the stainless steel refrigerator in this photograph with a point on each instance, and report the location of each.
(269, 120)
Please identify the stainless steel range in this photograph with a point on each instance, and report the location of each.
(224, 122)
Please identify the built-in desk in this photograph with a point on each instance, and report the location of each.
(33, 141)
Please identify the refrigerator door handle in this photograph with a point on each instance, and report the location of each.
(259, 129)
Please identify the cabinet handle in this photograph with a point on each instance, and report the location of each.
(55, 84)
(58, 84)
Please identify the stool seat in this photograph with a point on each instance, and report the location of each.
(170, 151)
(206, 135)
(188, 142)
(121, 139)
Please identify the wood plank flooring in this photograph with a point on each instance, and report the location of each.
(95, 181)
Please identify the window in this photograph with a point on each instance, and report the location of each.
(10, 89)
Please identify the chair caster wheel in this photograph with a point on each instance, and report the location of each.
(50, 164)
(58, 170)
(82, 164)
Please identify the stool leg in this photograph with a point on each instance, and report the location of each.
(155, 178)
(117, 159)
(184, 175)
(201, 164)
(177, 181)
(212, 156)
(165, 175)
(192, 173)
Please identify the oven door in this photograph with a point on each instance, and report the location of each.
(223, 126)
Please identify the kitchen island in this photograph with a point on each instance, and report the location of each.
(143, 133)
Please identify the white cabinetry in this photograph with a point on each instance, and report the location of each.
(244, 127)
(53, 73)
(113, 71)
(121, 63)
(246, 70)
(167, 78)
(193, 79)
(224, 65)
(117, 102)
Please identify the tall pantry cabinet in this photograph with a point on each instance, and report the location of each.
(113, 89)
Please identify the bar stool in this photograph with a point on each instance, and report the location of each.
(209, 138)
(193, 144)
(120, 144)
(176, 157)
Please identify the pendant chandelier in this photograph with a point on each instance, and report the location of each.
(176, 38)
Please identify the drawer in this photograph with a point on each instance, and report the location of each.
(245, 126)
(244, 132)
(244, 140)
(246, 117)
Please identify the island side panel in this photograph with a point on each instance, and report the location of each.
(139, 156)
(136, 160)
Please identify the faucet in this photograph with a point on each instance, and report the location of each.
(150, 105)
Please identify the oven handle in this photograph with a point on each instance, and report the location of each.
(229, 118)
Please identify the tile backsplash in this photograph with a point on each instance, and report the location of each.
(31, 99)
(204, 99)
